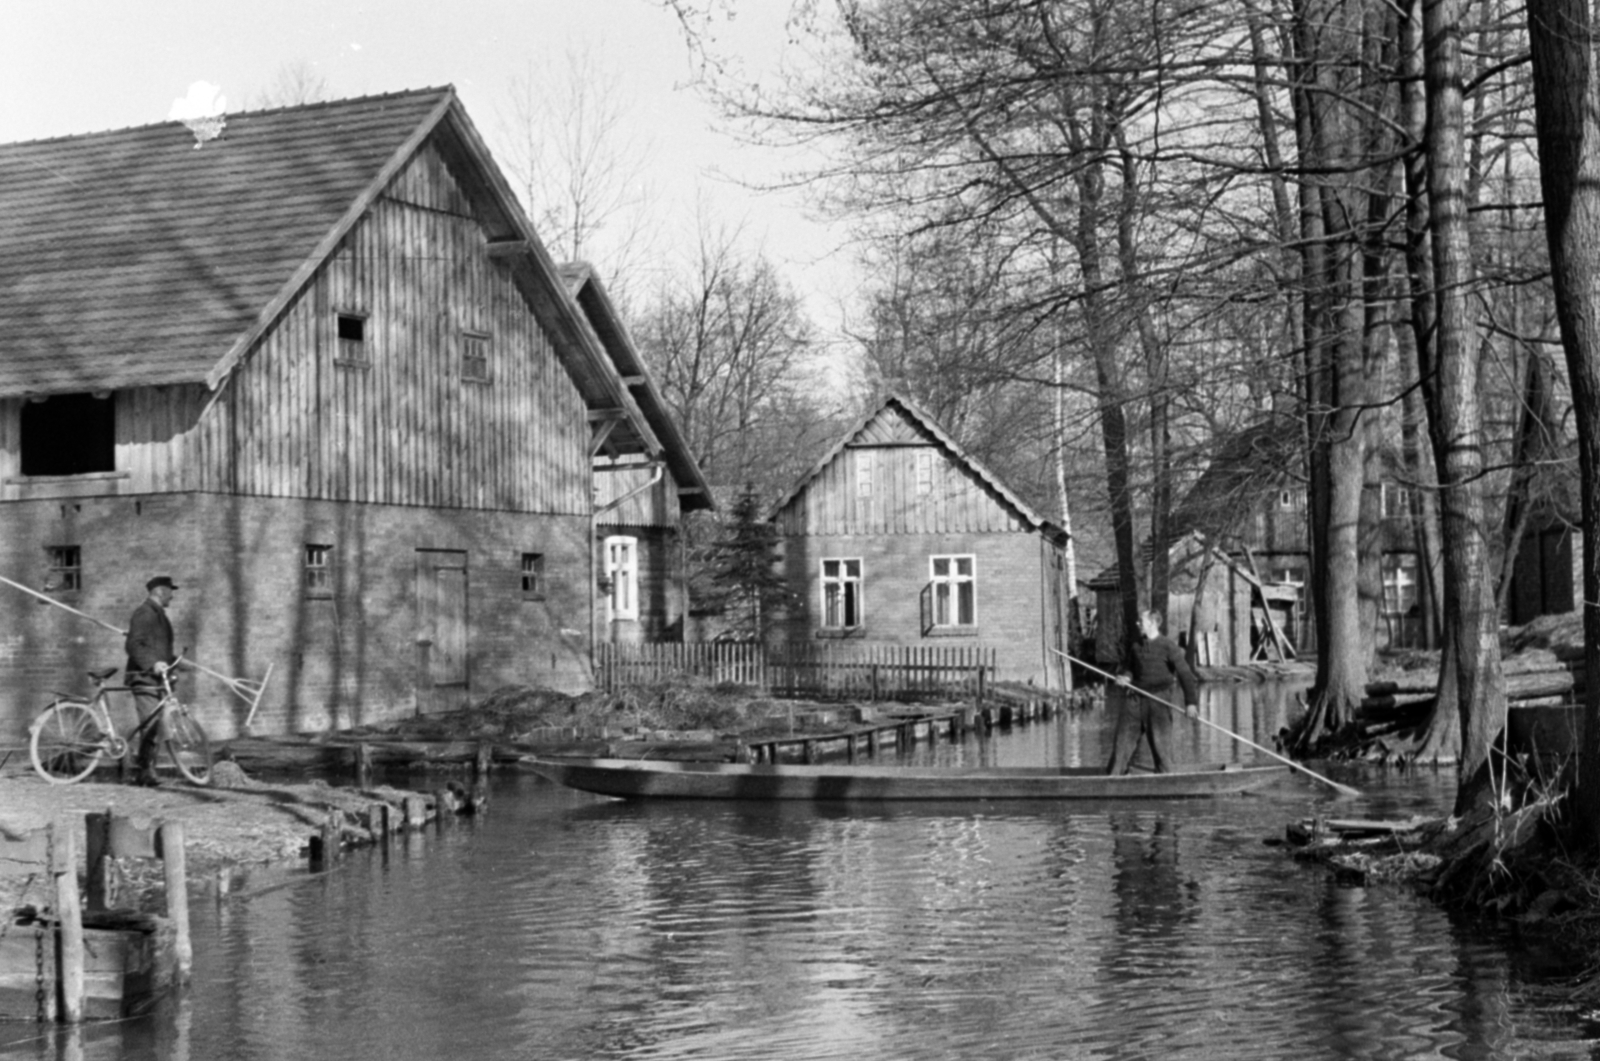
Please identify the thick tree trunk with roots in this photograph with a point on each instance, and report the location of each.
(1333, 101)
(1567, 102)
(1473, 629)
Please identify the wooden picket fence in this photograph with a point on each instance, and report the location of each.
(823, 671)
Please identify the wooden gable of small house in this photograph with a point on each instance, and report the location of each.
(898, 537)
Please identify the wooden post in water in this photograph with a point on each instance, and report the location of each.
(442, 805)
(69, 915)
(483, 761)
(100, 889)
(416, 812)
(175, 868)
(378, 822)
(363, 765)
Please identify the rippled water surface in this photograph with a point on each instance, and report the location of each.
(567, 926)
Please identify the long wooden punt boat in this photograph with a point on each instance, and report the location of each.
(661, 779)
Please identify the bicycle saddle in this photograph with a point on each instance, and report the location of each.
(102, 675)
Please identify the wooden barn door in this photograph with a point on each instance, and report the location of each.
(442, 631)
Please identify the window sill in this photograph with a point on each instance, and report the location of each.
(86, 485)
(839, 633)
(953, 631)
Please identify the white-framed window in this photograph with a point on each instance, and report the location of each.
(924, 472)
(1396, 500)
(622, 571)
(955, 590)
(863, 473)
(1289, 575)
(841, 594)
(1291, 499)
(1399, 583)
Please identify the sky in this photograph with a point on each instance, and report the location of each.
(78, 66)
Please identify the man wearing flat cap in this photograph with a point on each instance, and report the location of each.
(150, 653)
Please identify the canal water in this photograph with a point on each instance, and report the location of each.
(566, 926)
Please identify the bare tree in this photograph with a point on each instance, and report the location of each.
(296, 83)
(730, 345)
(582, 173)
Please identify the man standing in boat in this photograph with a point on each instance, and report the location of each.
(1158, 666)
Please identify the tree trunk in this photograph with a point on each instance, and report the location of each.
(1332, 142)
(1473, 627)
(1567, 123)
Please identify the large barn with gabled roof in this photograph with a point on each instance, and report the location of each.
(322, 372)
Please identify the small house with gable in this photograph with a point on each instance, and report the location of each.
(898, 537)
(321, 371)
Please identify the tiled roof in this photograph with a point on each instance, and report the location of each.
(132, 258)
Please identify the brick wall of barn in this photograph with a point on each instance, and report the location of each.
(342, 655)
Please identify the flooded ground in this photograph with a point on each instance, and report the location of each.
(567, 926)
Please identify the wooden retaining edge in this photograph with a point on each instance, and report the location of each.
(903, 732)
(382, 820)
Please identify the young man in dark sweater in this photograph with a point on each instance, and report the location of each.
(1158, 667)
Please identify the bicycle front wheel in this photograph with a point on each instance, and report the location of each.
(188, 746)
(66, 742)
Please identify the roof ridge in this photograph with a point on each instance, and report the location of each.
(323, 104)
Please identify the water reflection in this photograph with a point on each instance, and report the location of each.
(565, 926)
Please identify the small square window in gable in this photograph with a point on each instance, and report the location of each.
(475, 357)
(353, 332)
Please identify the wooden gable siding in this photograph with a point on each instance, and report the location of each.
(406, 428)
(958, 503)
(157, 448)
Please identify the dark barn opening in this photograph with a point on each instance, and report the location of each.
(69, 434)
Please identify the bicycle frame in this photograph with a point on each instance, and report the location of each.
(169, 724)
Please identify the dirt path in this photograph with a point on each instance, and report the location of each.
(253, 823)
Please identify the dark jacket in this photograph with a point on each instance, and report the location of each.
(149, 640)
(1158, 663)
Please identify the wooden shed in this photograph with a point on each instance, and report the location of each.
(321, 371)
(899, 537)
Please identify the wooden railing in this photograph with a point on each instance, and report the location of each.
(875, 672)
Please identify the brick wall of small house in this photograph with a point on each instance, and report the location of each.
(895, 571)
(348, 658)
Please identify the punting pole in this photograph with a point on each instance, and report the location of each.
(245, 689)
(1343, 790)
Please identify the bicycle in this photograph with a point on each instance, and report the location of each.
(70, 736)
